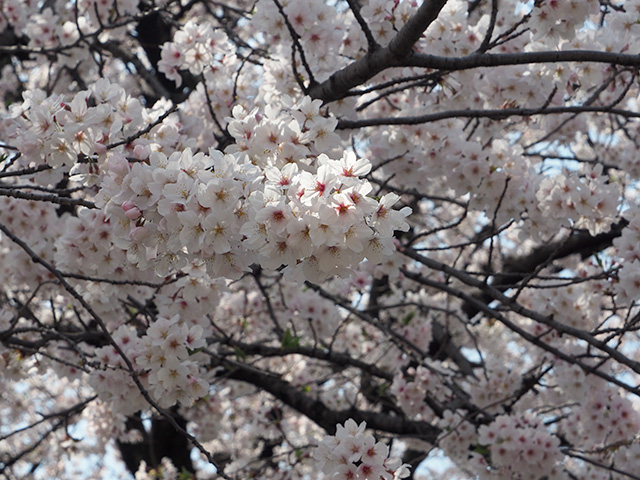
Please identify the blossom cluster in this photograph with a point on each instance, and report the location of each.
(312, 315)
(628, 248)
(603, 417)
(161, 362)
(499, 450)
(273, 199)
(318, 218)
(48, 130)
(113, 381)
(586, 201)
(37, 224)
(561, 20)
(514, 441)
(165, 352)
(207, 414)
(573, 305)
(319, 27)
(355, 455)
(459, 438)
(502, 182)
(194, 48)
(411, 389)
(499, 381)
(86, 245)
(16, 13)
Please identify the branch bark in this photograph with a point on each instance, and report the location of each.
(322, 415)
(513, 306)
(478, 60)
(395, 54)
(516, 269)
(493, 114)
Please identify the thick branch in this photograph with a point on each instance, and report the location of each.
(516, 269)
(529, 337)
(398, 54)
(337, 358)
(494, 114)
(521, 58)
(395, 54)
(322, 415)
(517, 308)
(7, 192)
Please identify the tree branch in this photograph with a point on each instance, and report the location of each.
(478, 60)
(395, 54)
(317, 411)
(517, 308)
(493, 114)
(516, 269)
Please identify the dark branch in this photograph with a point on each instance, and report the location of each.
(495, 114)
(326, 418)
(395, 54)
(521, 58)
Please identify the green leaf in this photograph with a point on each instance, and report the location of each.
(185, 474)
(408, 318)
(240, 354)
(289, 341)
(244, 323)
(482, 450)
(383, 389)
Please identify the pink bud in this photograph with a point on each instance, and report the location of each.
(131, 211)
(133, 214)
(128, 205)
